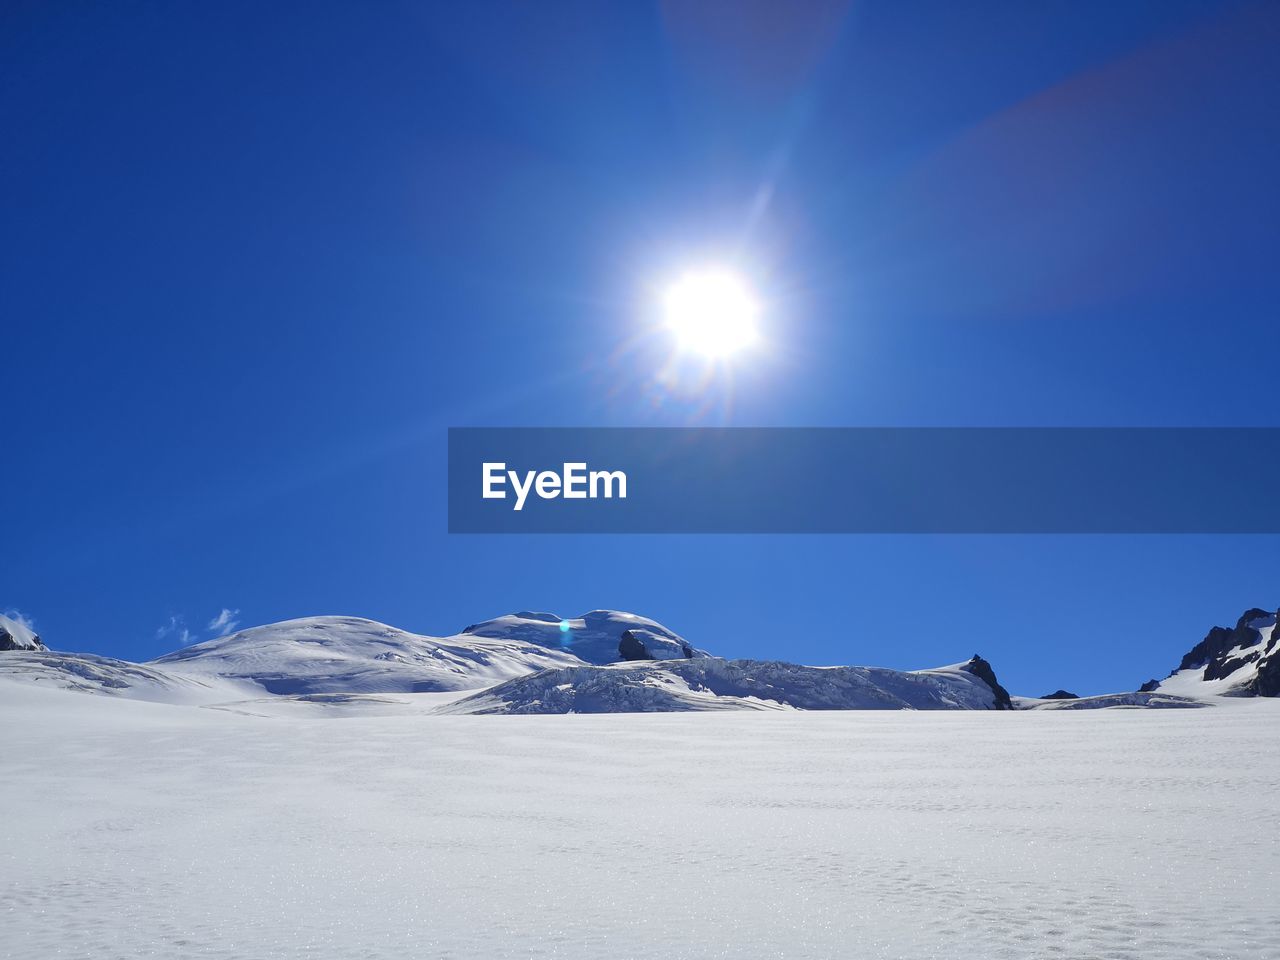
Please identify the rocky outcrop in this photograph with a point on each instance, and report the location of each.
(17, 636)
(1241, 661)
(631, 647)
(1267, 681)
(1060, 695)
(982, 670)
(1211, 652)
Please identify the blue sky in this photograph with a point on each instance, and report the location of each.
(256, 261)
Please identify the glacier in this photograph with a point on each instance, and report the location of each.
(139, 830)
(335, 787)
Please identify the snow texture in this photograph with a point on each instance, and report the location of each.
(593, 637)
(87, 673)
(1236, 671)
(144, 830)
(352, 655)
(714, 684)
(16, 635)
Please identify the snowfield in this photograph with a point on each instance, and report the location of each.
(138, 829)
(318, 655)
(709, 683)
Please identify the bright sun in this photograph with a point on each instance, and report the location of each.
(712, 312)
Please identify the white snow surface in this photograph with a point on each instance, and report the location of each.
(139, 830)
(592, 637)
(87, 673)
(351, 667)
(23, 636)
(316, 655)
(715, 684)
(1112, 700)
(1191, 682)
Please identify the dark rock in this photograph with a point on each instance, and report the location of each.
(1220, 641)
(9, 642)
(1211, 655)
(1217, 642)
(1060, 695)
(631, 647)
(1267, 683)
(1149, 686)
(982, 670)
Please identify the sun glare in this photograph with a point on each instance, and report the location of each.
(712, 312)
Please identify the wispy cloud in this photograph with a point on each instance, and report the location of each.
(167, 629)
(176, 627)
(224, 623)
(21, 619)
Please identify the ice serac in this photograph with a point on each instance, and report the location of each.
(1243, 661)
(709, 683)
(1107, 701)
(15, 635)
(316, 655)
(598, 637)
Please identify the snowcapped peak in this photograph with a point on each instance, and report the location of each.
(535, 615)
(17, 635)
(597, 636)
(983, 671)
(1243, 661)
(335, 654)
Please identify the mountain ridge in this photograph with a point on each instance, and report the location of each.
(601, 661)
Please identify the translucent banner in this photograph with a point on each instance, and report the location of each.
(864, 480)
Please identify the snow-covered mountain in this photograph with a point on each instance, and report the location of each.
(316, 655)
(351, 656)
(18, 636)
(87, 673)
(1243, 661)
(604, 661)
(710, 683)
(600, 636)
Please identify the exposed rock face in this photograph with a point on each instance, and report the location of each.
(982, 670)
(1149, 686)
(17, 636)
(1211, 652)
(1242, 661)
(1267, 681)
(1060, 695)
(631, 647)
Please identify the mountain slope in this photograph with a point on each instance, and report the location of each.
(603, 661)
(18, 636)
(713, 684)
(1105, 701)
(599, 637)
(1243, 661)
(317, 655)
(87, 673)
